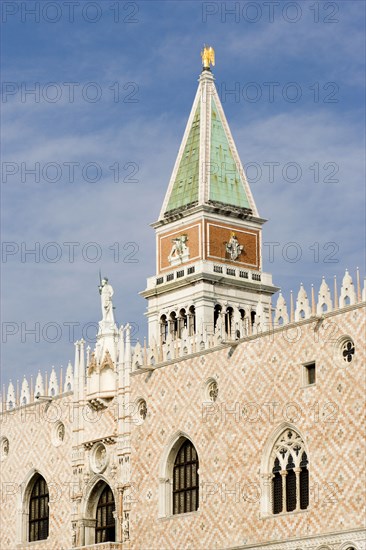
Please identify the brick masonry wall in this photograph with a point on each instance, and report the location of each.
(210, 244)
(217, 234)
(194, 243)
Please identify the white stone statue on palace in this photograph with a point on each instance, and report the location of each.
(106, 293)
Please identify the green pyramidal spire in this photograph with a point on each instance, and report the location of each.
(226, 185)
(208, 169)
(185, 188)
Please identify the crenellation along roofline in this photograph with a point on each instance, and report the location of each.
(313, 319)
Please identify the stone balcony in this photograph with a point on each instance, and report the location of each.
(209, 268)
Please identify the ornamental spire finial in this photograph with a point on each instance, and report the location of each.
(208, 57)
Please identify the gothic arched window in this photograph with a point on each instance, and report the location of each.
(217, 313)
(290, 474)
(173, 324)
(105, 529)
(163, 329)
(252, 317)
(228, 320)
(185, 479)
(182, 322)
(192, 321)
(38, 510)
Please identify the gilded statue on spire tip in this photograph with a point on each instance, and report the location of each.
(208, 57)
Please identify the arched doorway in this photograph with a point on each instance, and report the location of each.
(99, 515)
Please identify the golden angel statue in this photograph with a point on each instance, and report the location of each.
(208, 57)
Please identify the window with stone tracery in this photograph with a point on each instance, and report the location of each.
(348, 350)
(212, 390)
(290, 474)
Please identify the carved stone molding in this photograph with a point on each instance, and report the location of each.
(108, 440)
(97, 404)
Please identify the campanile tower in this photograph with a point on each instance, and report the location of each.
(208, 236)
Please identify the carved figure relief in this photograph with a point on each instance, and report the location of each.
(99, 458)
(58, 434)
(180, 251)
(4, 448)
(73, 535)
(126, 526)
(142, 409)
(61, 432)
(233, 248)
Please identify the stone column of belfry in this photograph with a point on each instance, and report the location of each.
(190, 320)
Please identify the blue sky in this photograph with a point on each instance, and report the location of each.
(298, 72)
